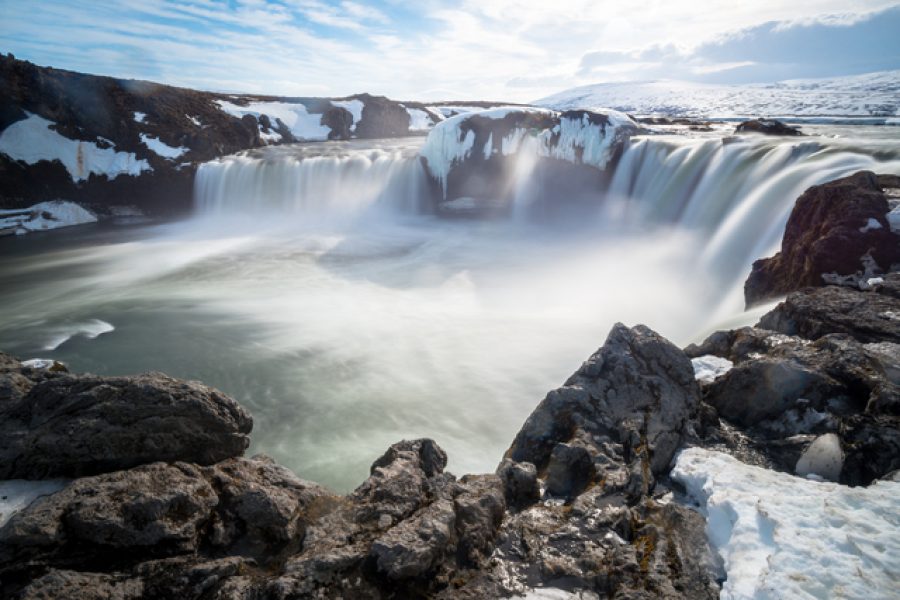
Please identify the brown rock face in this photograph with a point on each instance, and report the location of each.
(832, 227)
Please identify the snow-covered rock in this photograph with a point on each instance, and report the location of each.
(782, 536)
(823, 458)
(302, 124)
(354, 107)
(43, 216)
(873, 94)
(161, 148)
(578, 137)
(32, 140)
(708, 367)
(419, 120)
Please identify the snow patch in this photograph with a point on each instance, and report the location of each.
(40, 363)
(871, 225)
(893, 219)
(89, 329)
(194, 120)
(709, 367)
(140, 117)
(161, 148)
(302, 124)
(45, 215)
(557, 594)
(17, 494)
(781, 536)
(31, 140)
(419, 120)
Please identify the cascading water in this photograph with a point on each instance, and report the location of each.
(345, 319)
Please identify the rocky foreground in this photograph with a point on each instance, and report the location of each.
(140, 488)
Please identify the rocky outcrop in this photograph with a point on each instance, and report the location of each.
(55, 424)
(807, 371)
(838, 232)
(105, 142)
(588, 518)
(474, 159)
(767, 127)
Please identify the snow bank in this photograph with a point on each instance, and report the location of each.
(874, 94)
(708, 367)
(161, 148)
(45, 215)
(302, 124)
(781, 536)
(31, 140)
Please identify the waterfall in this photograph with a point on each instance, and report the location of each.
(293, 180)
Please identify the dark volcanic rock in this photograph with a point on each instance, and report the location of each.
(836, 229)
(629, 403)
(767, 127)
(70, 426)
(866, 316)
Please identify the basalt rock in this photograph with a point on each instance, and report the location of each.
(70, 426)
(767, 127)
(837, 232)
(617, 421)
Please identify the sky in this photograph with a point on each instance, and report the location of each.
(512, 50)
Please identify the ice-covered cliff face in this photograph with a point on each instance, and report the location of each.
(871, 95)
(485, 157)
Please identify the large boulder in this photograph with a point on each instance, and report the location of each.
(617, 421)
(836, 230)
(477, 161)
(62, 425)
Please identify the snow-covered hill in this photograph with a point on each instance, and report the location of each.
(870, 95)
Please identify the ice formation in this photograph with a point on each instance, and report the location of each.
(782, 536)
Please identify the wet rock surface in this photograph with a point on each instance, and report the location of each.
(838, 232)
(767, 127)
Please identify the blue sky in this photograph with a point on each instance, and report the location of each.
(513, 50)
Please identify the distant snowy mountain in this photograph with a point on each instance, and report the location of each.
(870, 95)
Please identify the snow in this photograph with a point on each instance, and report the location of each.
(161, 148)
(354, 106)
(17, 494)
(781, 536)
(194, 120)
(893, 218)
(39, 363)
(302, 124)
(823, 458)
(140, 117)
(90, 329)
(557, 594)
(873, 94)
(419, 120)
(595, 142)
(31, 140)
(452, 111)
(871, 225)
(45, 215)
(708, 367)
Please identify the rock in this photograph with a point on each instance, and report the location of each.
(470, 158)
(81, 425)
(569, 470)
(767, 127)
(823, 458)
(831, 229)
(74, 585)
(520, 483)
(412, 548)
(812, 313)
(631, 401)
(340, 121)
